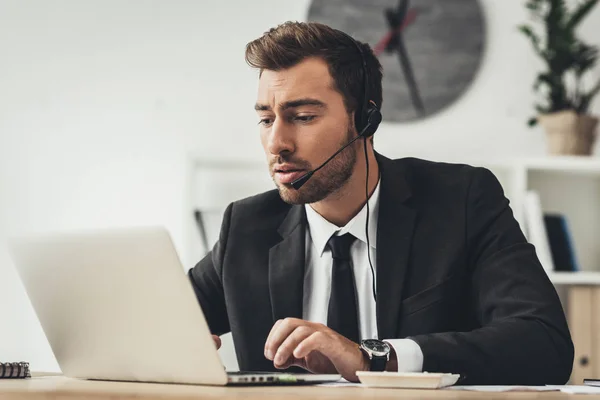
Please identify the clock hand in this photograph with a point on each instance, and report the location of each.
(402, 9)
(397, 18)
(410, 78)
(384, 43)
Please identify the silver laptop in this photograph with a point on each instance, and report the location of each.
(117, 305)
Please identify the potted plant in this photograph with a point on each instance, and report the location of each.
(564, 114)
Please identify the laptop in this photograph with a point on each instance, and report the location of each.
(117, 305)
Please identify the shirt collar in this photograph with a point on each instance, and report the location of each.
(321, 230)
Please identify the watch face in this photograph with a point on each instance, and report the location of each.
(378, 347)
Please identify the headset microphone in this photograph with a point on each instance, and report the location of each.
(298, 183)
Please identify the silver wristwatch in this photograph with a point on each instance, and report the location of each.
(378, 352)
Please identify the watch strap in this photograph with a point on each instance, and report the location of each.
(378, 363)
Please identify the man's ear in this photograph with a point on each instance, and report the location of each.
(352, 122)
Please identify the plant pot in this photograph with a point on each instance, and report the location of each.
(569, 133)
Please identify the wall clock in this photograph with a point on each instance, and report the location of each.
(430, 50)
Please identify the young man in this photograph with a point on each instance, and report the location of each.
(455, 287)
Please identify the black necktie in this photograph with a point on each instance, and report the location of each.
(342, 315)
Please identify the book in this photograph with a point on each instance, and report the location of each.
(536, 230)
(561, 243)
(16, 370)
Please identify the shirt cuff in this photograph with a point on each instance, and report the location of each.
(408, 353)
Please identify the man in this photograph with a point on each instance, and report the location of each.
(457, 287)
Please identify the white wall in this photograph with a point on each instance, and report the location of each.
(102, 101)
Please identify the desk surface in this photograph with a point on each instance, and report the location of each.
(64, 388)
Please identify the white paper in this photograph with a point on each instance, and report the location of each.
(570, 389)
(497, 388)
(341, 383)
(577, 389)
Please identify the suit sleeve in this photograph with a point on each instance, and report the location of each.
(523, 336)
(207, 280)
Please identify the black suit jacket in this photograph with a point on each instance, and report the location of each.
(454, 273)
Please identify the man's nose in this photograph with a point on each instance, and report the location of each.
(280, 138)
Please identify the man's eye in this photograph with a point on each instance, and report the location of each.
(265, 121)
(304, 118)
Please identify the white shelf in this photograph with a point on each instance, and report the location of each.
(575, 278)
(565, 164)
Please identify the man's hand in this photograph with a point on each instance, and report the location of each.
(217, 341)
(314, 347)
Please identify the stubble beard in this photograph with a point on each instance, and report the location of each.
(325, 182)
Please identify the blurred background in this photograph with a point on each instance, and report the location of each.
(140, 112)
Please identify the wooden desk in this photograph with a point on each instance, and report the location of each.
(64, 388)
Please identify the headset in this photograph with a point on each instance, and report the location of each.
(367, 118)
(369, 115)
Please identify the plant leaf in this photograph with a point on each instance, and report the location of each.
(547, 78)
(533, 5)
(535, 39)
(586, 99)
(579, 14)
(584, 58)
(532, 122)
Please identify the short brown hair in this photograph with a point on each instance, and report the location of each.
(291, 42)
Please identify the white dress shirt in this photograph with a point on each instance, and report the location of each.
(317, 278)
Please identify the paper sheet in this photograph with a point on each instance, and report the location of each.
(341, 383)
(570, 389)
(504, 388)
(577, 389)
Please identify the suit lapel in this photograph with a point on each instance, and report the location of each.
(286, 266)
(394, 236)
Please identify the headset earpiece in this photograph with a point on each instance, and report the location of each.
(373, 119)
(368, 116)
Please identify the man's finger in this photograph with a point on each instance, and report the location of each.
(279, 333)
(317, 341)
(285, 350)
(217, 341)
(292, 362)
(273, 329)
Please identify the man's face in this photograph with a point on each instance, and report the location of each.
(303, 121)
